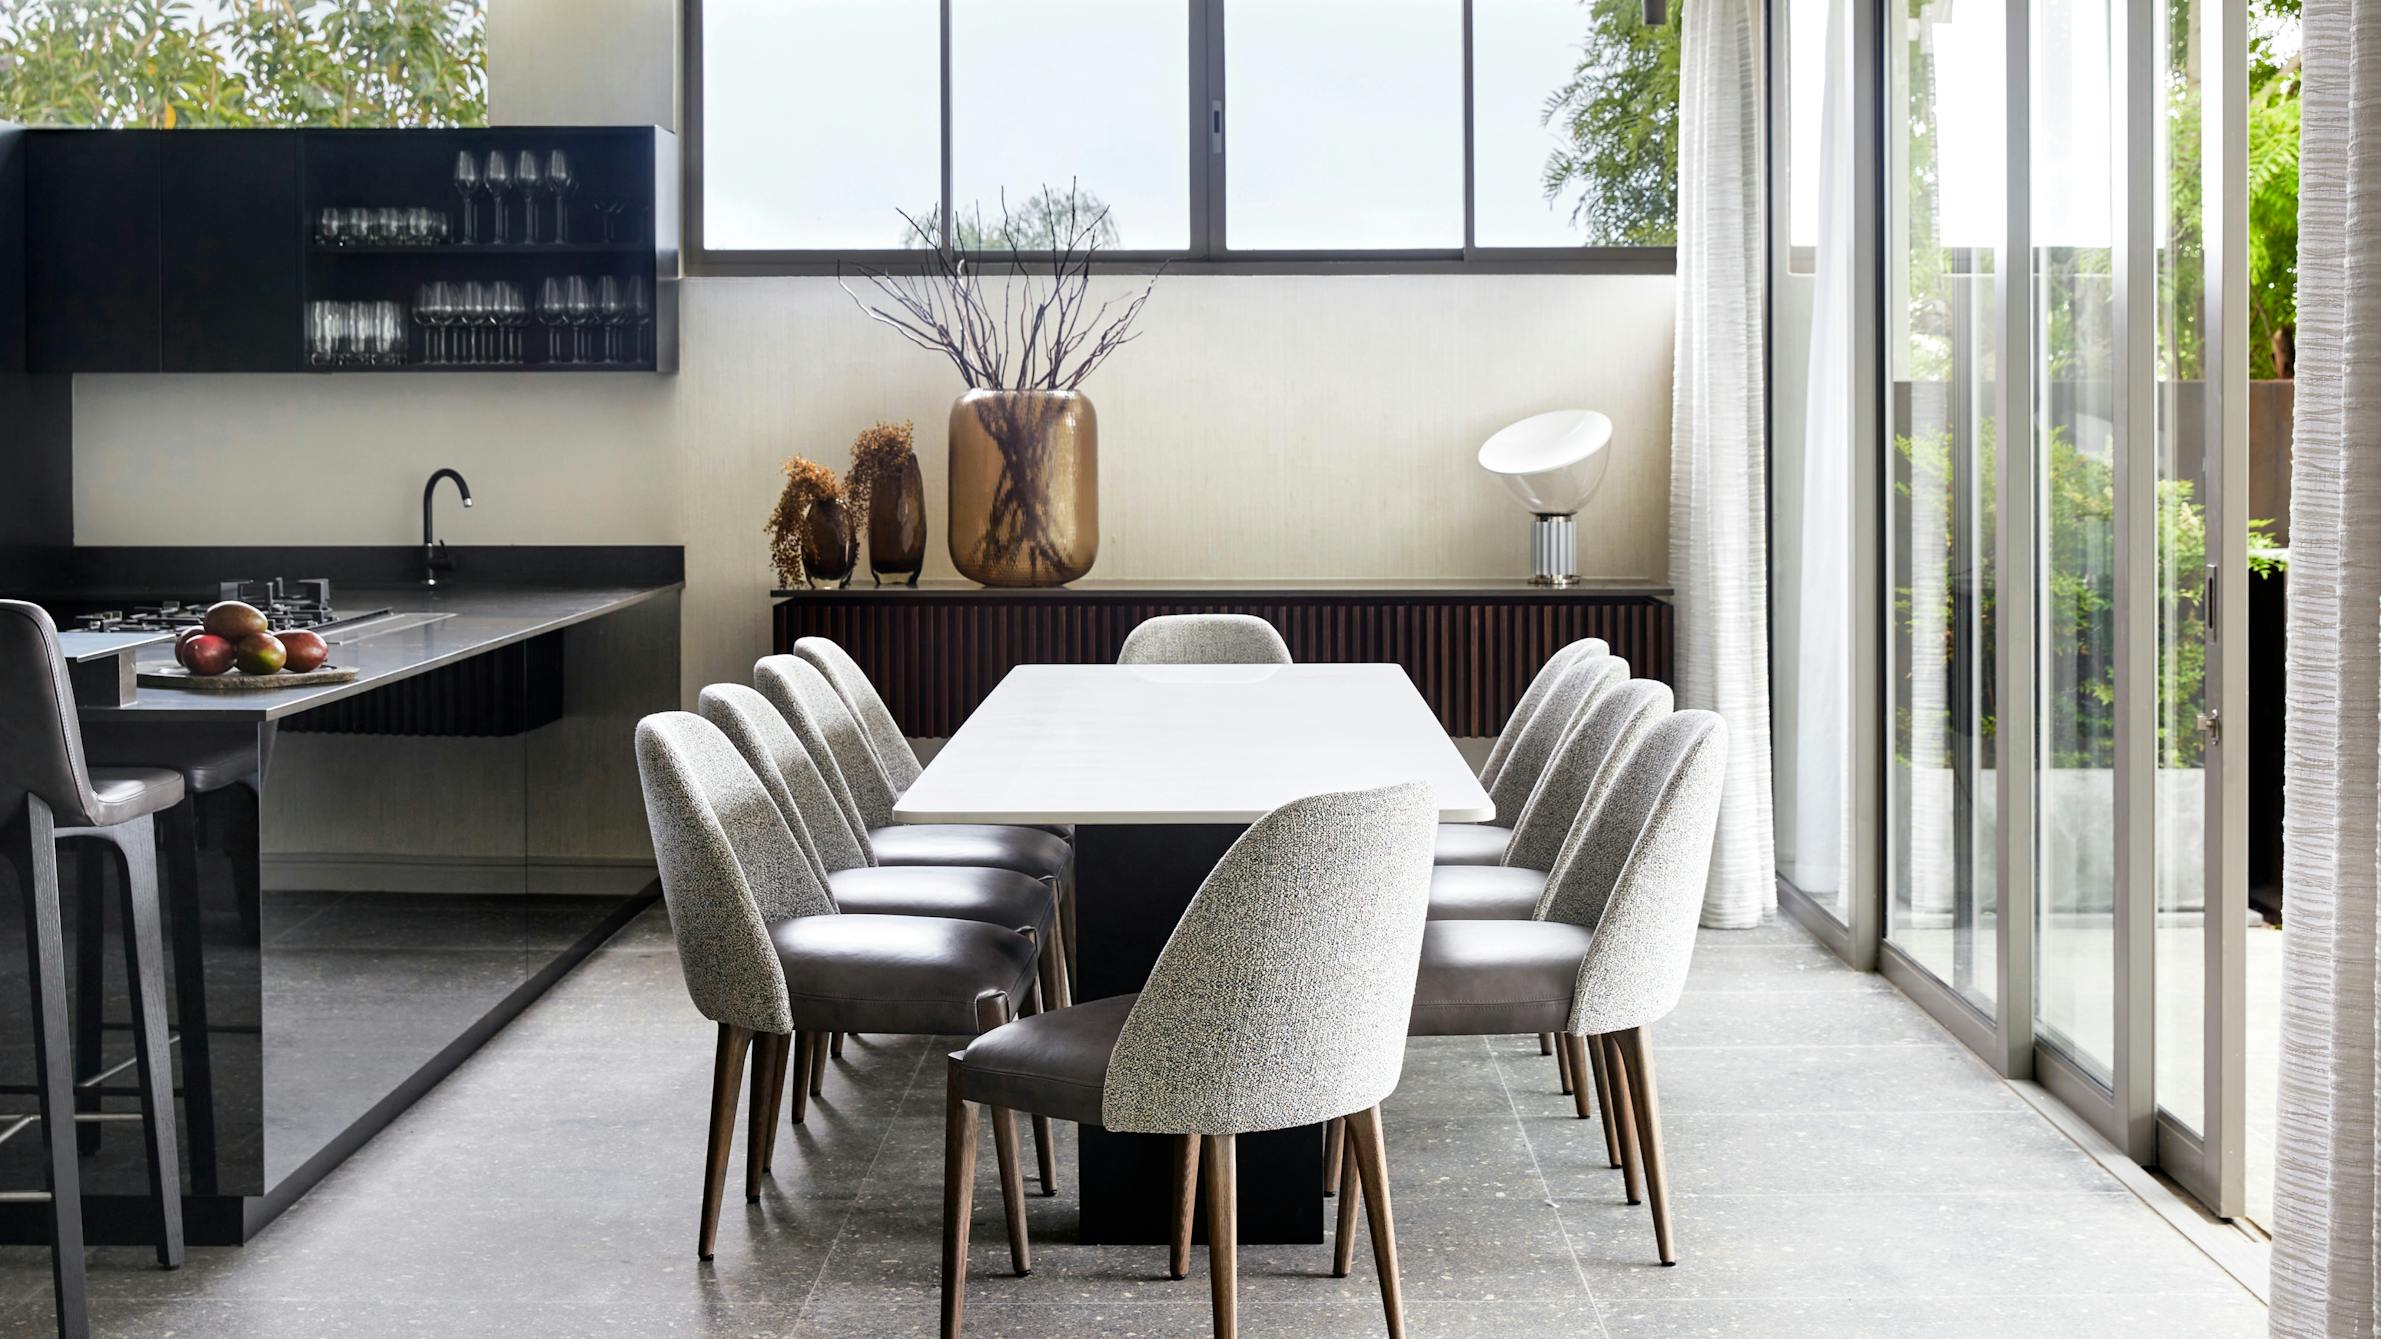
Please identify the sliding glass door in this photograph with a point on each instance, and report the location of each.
(2061, 403)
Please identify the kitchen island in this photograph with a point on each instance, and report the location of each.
(412, 857)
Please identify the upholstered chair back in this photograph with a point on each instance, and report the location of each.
(1283, 996)
(1540, 684)
(728, 865)
(1609, 728)
(894, 757)
(1636, 963)
(1204, 639)
(777, 757)
(831, 733)
(1581, 683)
(41, 741)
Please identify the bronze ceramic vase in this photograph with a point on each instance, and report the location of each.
(897, 523)
(1025, 487)
(829, 548)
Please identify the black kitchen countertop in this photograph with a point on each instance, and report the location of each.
(467, 620)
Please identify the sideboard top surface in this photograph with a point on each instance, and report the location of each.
(1467, 588)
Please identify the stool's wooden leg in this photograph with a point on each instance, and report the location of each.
(32, 844)
(177, 833)
(90, 985)
(144, 974)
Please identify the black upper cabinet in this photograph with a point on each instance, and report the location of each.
(232, 260)
(91, 228)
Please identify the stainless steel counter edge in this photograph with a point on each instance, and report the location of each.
(490, 617)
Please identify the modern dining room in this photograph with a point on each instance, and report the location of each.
(1183, 667)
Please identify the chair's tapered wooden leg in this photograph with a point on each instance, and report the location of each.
(992, 1010)
(1045, 1139)
(1223, 1232)
(1186, 1201)
(1343, 1241)
(1574, 1050)
(1334, 1138)
(1562, 1069)
(29, 837)
(1371, 1156)
(1649, 1138)
(780, 1047)
(958, 1199)
(835, 1047)
(727, 1074)
(818, 1064)
(1545, 1043)
(1624, 1117)
(803, 1043)
(1062, 981)
(760, 1116)
(1594, 1046)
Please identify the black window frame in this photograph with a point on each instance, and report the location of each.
(1206, 120)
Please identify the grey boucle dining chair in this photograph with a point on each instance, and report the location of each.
(890, 749)
(766, 954)
(1280, 1000)
(1204, 639)
(1540, 684)
(1609, 952)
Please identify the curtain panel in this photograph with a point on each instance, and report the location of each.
(1719, 508)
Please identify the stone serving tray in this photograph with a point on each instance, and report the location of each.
(232, 681)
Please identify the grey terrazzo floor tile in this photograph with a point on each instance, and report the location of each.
(1721, 964)
(2234, 1317)
(1191, 1320)
(1876, 1016)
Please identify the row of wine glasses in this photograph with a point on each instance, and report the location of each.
(616, 312)
(470, 324)
(527, 174)
(355, 334)
(355, 225)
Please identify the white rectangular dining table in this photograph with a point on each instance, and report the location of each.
(1160, 768)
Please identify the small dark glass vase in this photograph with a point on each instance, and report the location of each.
(829, 548)
(897, 524)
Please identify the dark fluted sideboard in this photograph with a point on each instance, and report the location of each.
(935, 650)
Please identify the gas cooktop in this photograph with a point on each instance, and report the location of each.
(286, 604)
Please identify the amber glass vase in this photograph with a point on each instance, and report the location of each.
(897, 523)
(1025, 487)
(829, 549)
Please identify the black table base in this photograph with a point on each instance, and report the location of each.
(1132, 882)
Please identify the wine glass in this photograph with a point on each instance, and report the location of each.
(529, 175)
(553, 308)
(429, 308)
(499, 176)
(511, 312)
(579, 302)
(640, 311)
(559, 180)
(467, 184)
(322, 333)
(611, 308)
(610, 207)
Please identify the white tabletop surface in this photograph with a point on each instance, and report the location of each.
(1187, 744)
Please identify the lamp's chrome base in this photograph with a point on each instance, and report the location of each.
(1553, 552)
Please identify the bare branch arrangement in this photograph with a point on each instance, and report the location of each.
(1032, 329)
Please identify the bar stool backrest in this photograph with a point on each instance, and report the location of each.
(1540, 684)
(776, 756)
(1283, 995)
(894, 757)
(729, 866)
(1204, 639)
(41, 744)
(1636, 963)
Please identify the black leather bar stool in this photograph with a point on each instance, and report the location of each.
(48, 795)
(207, 766)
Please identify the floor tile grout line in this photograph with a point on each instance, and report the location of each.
(1578, 1267)
(860, 1195)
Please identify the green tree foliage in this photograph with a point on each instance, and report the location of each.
(1619, 113)
(166, 64)
(2274, 85)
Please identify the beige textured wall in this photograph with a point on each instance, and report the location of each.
(1265, 426)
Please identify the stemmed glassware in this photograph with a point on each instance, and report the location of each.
(431, 305)
(511, 313)
(553, 309)
(499, 176)
(640, 311)
(611, 308)
(467, 184)
(529, 175)
(559, 180)
(610, 208)
(579, 303)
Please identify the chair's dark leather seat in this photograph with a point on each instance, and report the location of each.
(860, 973)
(1483, 978)
(999, 897)
(1053, 1064)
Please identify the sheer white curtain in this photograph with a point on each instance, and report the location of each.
(1718, 484)
(2326, 1277)
(1823, 632)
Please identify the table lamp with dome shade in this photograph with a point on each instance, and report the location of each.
(1551, 463)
